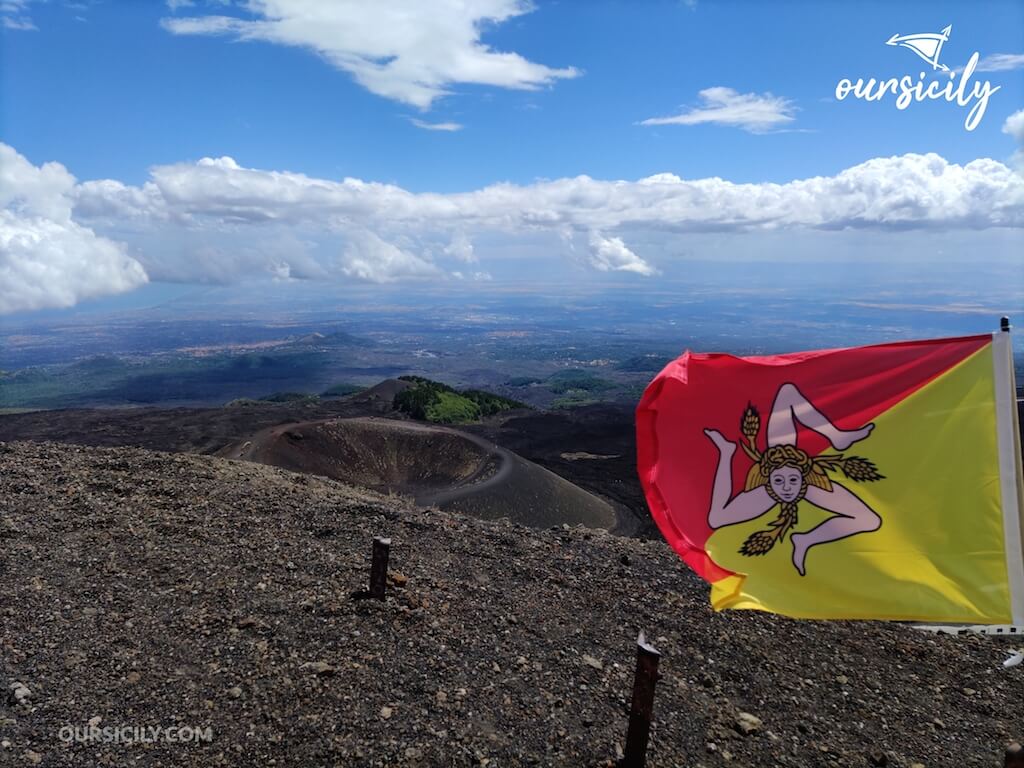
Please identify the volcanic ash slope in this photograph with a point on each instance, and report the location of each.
(437, 466)
(151, 589)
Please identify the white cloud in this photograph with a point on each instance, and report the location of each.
(1014, 126)
(368, 257)
(753, 112)
(109, 200)
(405, 50)
(44, 263)
(908, 191)
(1001, 62)
(174, 5)
(461, 248)
(436, 126)
(480, 277)
(13, 15)
(216, 220)
(610, 254)
(46, 258)
(20, 23)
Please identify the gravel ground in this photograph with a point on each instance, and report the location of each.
(144, 589)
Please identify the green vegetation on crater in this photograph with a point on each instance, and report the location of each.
(573, 400)
(575, 379)
(433, 401)
(450, 408)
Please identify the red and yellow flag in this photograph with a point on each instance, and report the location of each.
(879, 482)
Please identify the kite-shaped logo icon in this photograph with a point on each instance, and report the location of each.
(927, 45)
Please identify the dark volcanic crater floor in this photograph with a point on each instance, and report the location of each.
(436, 466)
(592, 446)
(598, 439)
(150, 589)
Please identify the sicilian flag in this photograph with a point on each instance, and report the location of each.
(879, 482)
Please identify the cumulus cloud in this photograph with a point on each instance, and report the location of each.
(461, 248)
(901, 192)
(1014, 126)
(368, 257)
(47, 259)
(610, 254)
(216, 220)
(220, 196)
(109, 200)
(44, 263)
(405, 50)
(753, 112)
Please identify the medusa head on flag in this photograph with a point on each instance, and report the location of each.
(784, 475)
(726, 485)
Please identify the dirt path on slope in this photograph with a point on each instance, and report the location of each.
(500, 480)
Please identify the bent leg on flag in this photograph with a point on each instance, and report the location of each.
(853, 516)
(746, 505)
(791, 406)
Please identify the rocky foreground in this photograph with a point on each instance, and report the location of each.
(143, 589)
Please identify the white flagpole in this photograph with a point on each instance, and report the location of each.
(1011, 483)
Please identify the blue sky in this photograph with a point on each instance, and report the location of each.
(538, 95)
(108, 91)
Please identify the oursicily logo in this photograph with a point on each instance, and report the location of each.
(940, 83)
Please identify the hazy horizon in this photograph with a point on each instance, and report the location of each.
(316, 151)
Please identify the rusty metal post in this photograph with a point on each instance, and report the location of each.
(1014, 757)
(647, 658)
(379, 567)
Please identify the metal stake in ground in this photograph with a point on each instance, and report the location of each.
(379, 567)
(647, 658)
